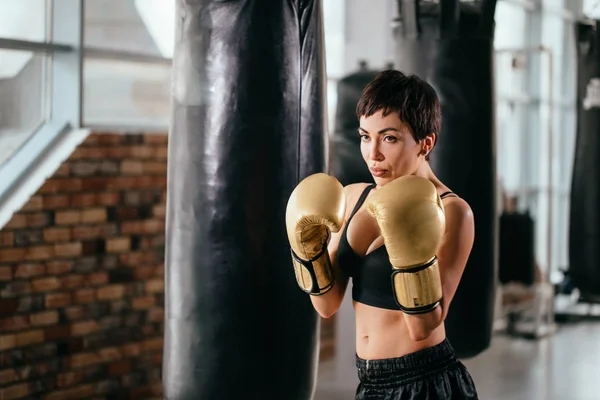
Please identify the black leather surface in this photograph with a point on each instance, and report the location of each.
(453, 50)
(248, 123)
(347, 164)
(584, 227)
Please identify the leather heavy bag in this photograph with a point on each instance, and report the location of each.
(584, 227)
(516, 262)
(347, 164)
(248, 123)
(451, 46)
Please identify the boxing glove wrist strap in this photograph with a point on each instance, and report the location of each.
(418, 289)
(314, 276)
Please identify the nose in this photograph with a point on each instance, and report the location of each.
(374, 152)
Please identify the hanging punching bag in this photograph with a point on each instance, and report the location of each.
(248, 123)
(347, 164)
(450, 45)
(584, 227)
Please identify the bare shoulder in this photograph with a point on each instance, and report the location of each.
(459, 215)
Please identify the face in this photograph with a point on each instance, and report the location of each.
(389, 148)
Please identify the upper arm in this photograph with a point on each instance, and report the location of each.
(455, 249)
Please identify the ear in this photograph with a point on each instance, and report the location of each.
(427, 144)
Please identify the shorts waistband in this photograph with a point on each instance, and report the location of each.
(409, 367)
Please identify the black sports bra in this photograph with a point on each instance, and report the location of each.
(371, 274)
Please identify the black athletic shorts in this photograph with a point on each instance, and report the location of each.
(430, 374)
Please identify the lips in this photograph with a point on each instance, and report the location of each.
(378, 172)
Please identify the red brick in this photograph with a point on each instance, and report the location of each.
(84, 296)
(161, 152)
(8, 342)
(92, 215)
(146, 227)
(66, 250)
(28, 237)
(89, 153)
(6, 274)
(131, 349)
(144, 273)
(70, 378)
(57, 332)
(63, 171)
(7, 239)
(69, 217)
(52, 235)
(11, 255)
(58, 267)
(118, 245)
(39, 253)
(104, 138)
(15, 289)
(84, 328)
(155, 167)
(119, 368)
(156, 315)
(56, 202)
(72, 282)
(14, 323)
(30, 270)
(15, 392)
(84, 200)
(7, 376)
(84, 168)
(55, 300)
(156, 138)
(109, 354)
(44, 318)
(61, 185)
(125, 213)
(111, 292)
(118, 152)
(143, 303)
(159, 211)
(155, 286)
(153, 344)
(122, 182)
(109, 199)
(98, 278)
(79, 392)
(95, 184)
(29, 338)
(45, 284)
(17, 221)
(132, 167)
(74, 313)
(35, 203)
(160, 271)
(142, 152)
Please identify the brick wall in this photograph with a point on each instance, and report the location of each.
(81, 277)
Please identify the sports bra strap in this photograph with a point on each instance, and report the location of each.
(361, 199)
(446, 194)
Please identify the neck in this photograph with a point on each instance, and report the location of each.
(424, 171)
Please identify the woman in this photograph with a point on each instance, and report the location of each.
(398, 355)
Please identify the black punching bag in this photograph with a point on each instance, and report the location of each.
(450, 45)
(347, 164)
(584, 227)
(248, 123)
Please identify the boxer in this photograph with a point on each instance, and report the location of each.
(404, 240)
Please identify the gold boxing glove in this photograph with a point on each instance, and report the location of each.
(315, 208)
(410, 215)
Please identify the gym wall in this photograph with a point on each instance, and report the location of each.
(81, 276)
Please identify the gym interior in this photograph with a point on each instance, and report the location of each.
(111, 288)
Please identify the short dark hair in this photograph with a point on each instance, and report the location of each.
(415, 101)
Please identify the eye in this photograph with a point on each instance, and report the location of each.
(364, 138)
(390, 139)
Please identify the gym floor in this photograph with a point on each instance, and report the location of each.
(565, 366)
